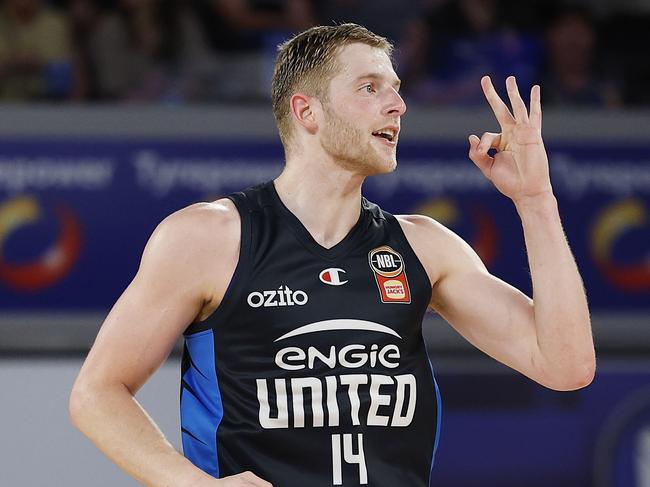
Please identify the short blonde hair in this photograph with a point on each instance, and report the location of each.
(307, 62)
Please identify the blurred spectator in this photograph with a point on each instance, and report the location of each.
(173, 51)
(380, 16)
(456, 43)
(129, 50)
(83, 17)
(572, 77)
(35, 54)
(626, 53)
(243, 35)
(143, 50)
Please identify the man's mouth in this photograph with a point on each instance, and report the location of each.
(388, 133)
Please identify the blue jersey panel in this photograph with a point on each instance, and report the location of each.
(201, 406)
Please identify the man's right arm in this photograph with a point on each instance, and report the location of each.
(174, 286)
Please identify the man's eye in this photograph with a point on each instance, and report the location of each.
(369, 89)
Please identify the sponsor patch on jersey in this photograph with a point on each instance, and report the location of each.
(388, 267)
(333, 276)
(282, 296)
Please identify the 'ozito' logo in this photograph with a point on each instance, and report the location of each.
(386, 262)
(283, 296)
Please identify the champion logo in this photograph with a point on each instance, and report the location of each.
(332, 276)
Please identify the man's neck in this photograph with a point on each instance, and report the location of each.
(326, 199)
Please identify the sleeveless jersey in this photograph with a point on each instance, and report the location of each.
(313, 370)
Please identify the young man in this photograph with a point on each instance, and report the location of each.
(302, 303)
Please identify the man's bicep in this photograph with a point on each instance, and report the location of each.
(490, 313)
(146, 321)
(138, 334)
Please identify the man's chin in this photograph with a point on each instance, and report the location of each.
(383, 167)
(389, 165)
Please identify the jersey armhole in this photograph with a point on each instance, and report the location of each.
(239, 276)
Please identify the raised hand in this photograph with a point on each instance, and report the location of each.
(519, 169)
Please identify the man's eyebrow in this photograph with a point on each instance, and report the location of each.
(396, 83)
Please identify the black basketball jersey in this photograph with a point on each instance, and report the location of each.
(313, 371)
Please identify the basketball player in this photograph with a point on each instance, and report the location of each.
(301, 302)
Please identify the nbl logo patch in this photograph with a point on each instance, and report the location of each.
(388, 267)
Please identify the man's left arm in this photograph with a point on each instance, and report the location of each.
(560, 306)
(548, 338)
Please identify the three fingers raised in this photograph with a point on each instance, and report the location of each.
(521, 114)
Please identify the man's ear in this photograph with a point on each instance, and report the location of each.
(304, 110)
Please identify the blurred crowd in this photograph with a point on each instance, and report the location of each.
(587, 54)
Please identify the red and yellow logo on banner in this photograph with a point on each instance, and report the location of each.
(611, 224)
(53, 264)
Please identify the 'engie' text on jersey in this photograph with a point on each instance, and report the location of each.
(391, 399)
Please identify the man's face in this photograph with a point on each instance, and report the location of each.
(362, 111)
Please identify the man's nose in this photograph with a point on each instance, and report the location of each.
(395, 106)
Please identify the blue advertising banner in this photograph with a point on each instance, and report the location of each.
(75, 214)
(504, 430)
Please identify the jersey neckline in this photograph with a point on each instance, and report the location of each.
(339, 250)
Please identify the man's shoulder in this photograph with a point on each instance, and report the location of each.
(200, 228)
(424, 228)
(218, 212)
(203, 217)
(421, 226)
(222, 208)
(437, 246)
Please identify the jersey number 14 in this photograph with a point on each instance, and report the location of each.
(348, 456)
